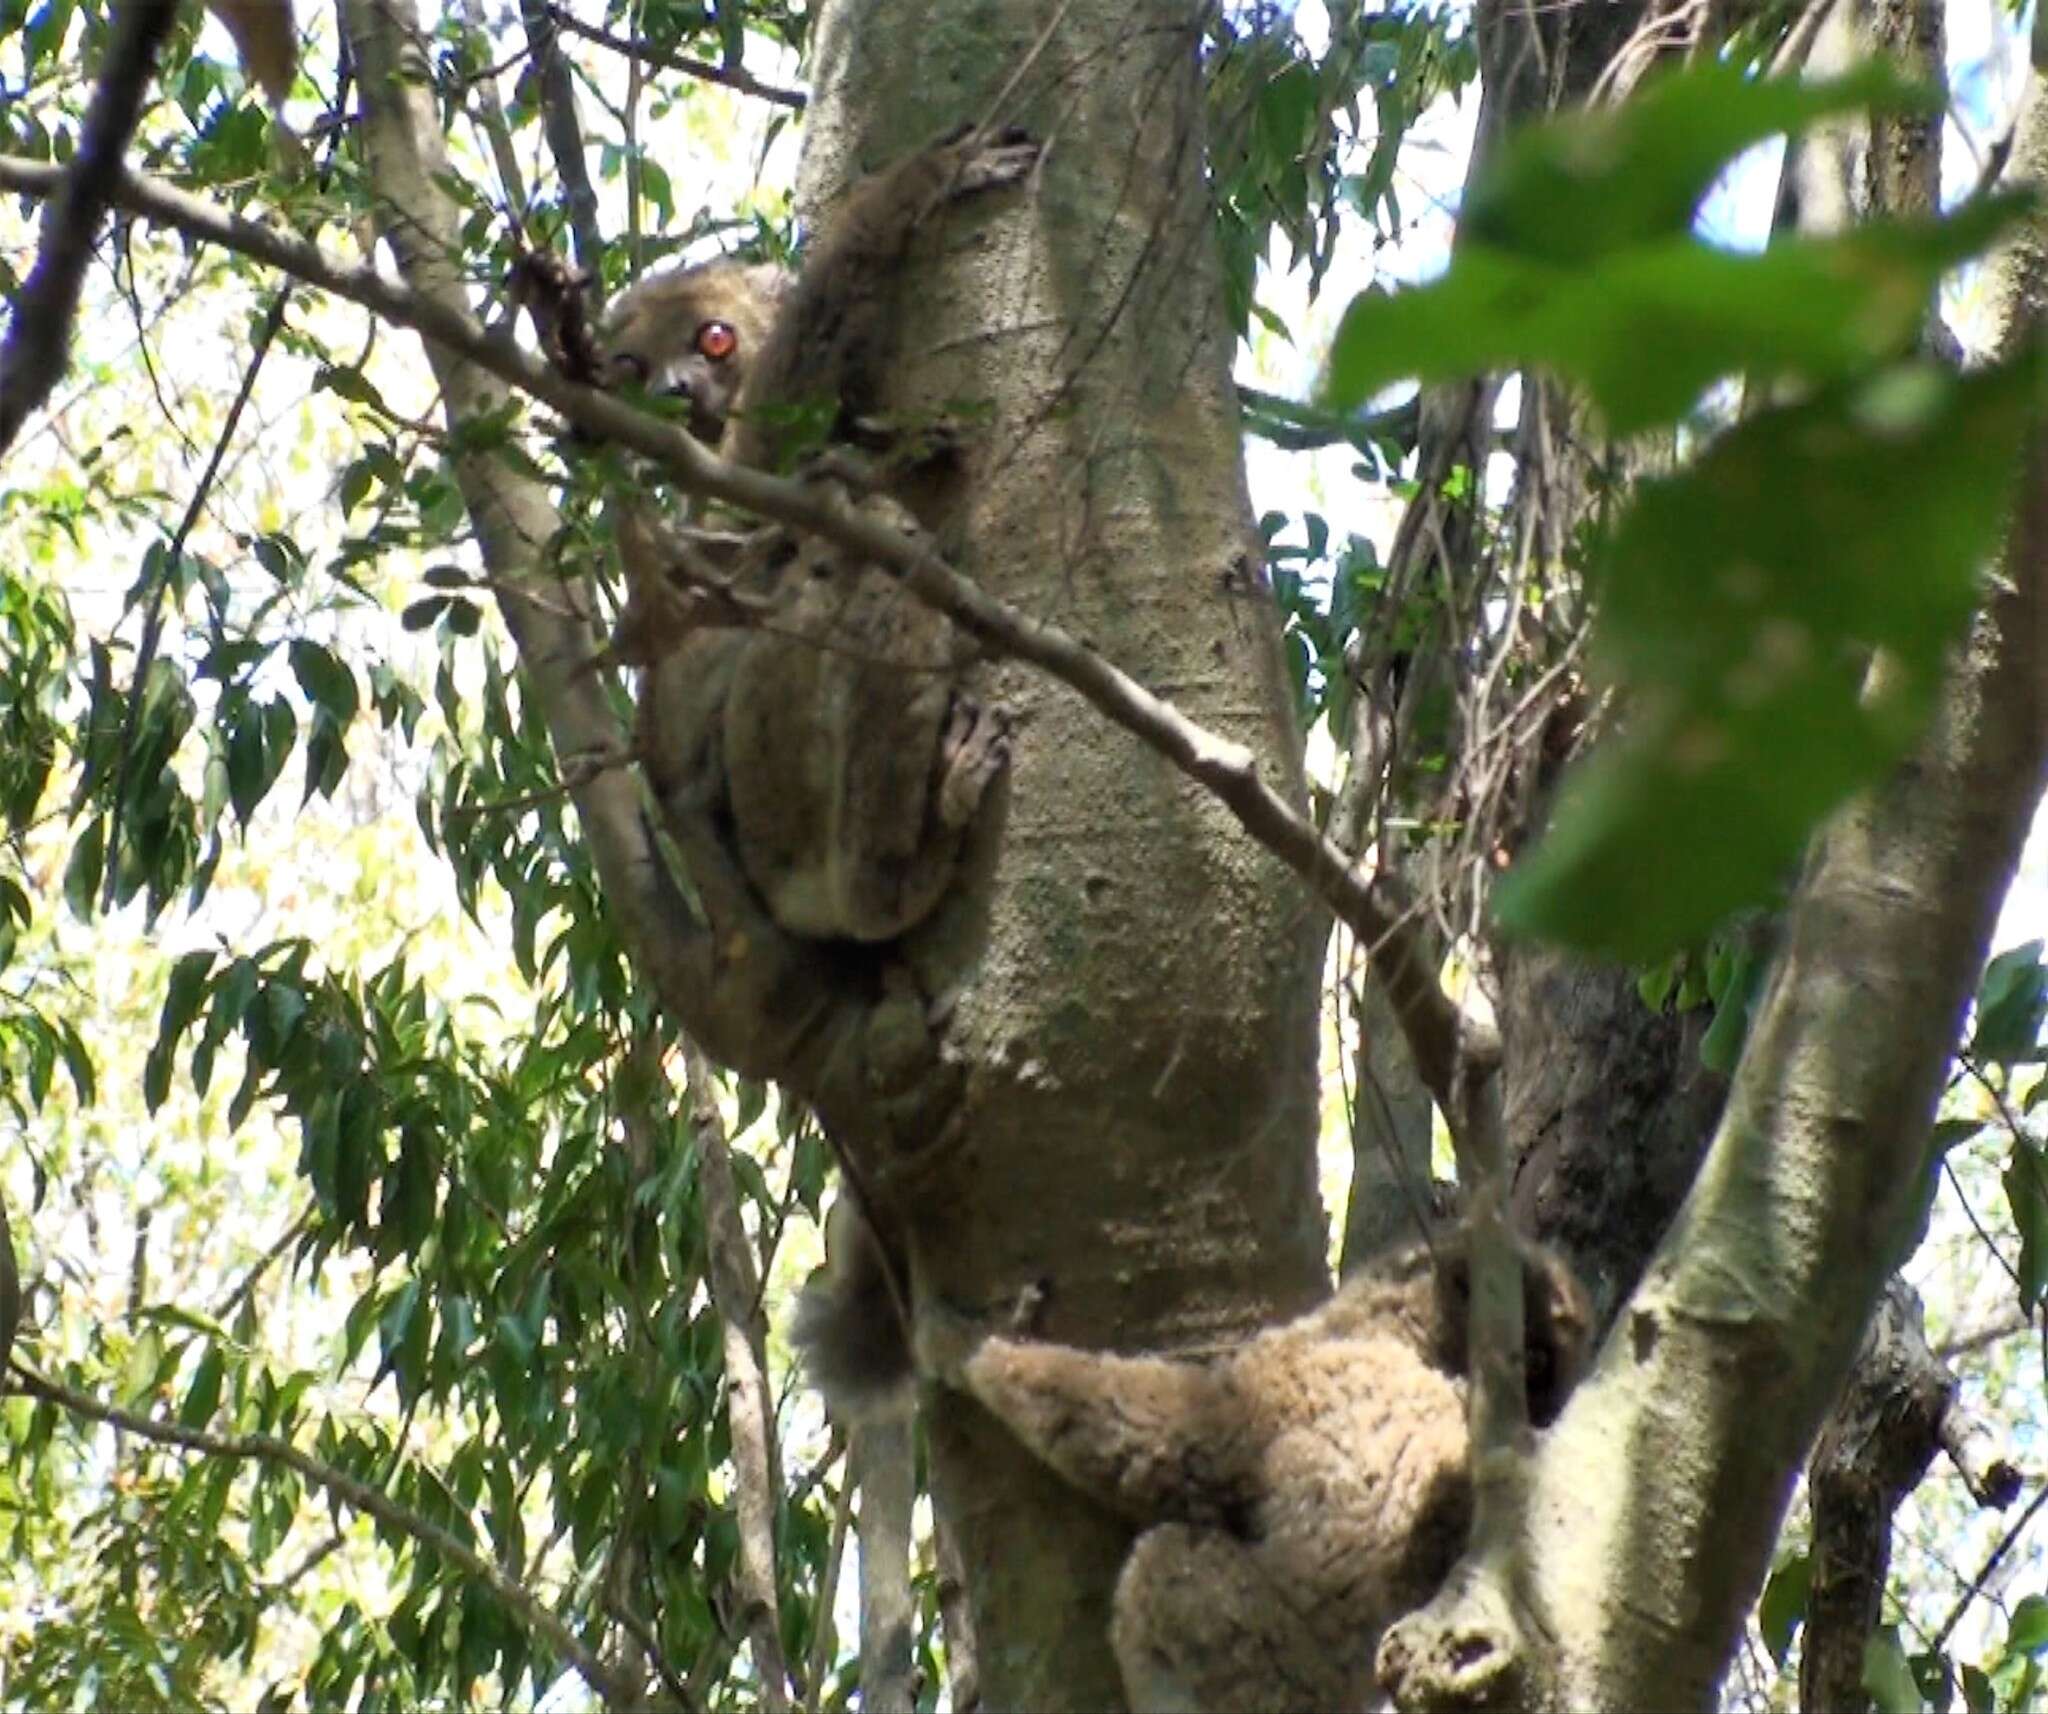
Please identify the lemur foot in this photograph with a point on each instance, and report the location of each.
(991, 160)
(974, 749)
(996, 167)
(945, 1340)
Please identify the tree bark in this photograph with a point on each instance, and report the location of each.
(1139, 1092)
(1608, 1113)
(882, 1460)
(1897, 1411)
(749, 1405)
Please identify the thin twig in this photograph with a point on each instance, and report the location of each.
(732, 77)
(749, 1417)
(496, 128)
(1295, 427)
(563, 130)
(153, 597)
(246, 1288)
(305, 1568)
(1976, 1586)
(824, 1641)
(638, 1629)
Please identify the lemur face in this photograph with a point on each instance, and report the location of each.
(690, 334)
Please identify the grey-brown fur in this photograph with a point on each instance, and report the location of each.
(1297, 1493)
(830, 736)
(848, 1326)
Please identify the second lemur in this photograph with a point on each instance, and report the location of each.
(1296, 1494)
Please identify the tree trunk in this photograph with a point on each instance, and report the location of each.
(1138, 1031)
(1884, 1432)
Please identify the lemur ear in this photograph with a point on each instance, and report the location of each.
(771, 280)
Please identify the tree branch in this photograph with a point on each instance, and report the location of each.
(1989, 1474)
(1296, 427)
(1880, 1438)
(1735, 1343)
(563, 130)
(1446, 1047)
(1992, 1560)
(732, 77)
(268, 1449)
(496, 128)
(881, 1460)
(515, 520)
(39, 336)
(736, 1292)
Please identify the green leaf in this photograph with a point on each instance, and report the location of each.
(202, 1398)
(1934, 1677)
(1784, 1604)
(355, 485)
(1888, 1678)
(1647, 331)
(255, 758)
(1741, 602)
(407, 1212)
(2027, 1631)
(2026, 1195)
(280, 556)
(84, 867)
(397, 1327)
(326, 758)
(1945, 1135)
(182, 995)
(1978, 1695)
(1577, 254)
(1603, 179)
(511, 1333)
(143, 1368)
(77, 1062)
(351, 384)
(2012, 1002)
(1735, 998)
(328, 684)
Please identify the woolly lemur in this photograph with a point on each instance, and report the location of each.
(1295, 1494)
(830, 742)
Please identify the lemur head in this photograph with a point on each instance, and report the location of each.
(1557, 1320)
(691, 333)
(1423, 1291)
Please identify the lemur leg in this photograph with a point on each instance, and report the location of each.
(1198, 1625)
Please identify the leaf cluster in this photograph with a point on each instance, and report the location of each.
(1745, 597)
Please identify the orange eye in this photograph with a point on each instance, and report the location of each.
(717, 341)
